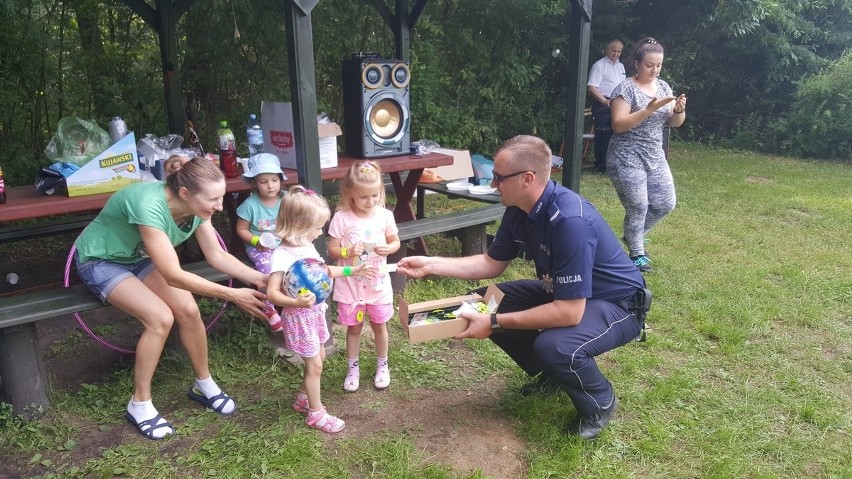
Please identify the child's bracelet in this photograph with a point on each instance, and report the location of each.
(255, 240)
(344, 253)
(347, 271)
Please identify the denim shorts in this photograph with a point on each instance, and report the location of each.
(101, 276)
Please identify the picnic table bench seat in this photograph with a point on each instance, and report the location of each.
(25, 380)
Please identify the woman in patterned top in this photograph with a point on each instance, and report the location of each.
(643, 106)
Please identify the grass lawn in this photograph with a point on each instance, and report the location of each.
(746, 371)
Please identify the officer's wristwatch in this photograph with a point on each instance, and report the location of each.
(494, 325)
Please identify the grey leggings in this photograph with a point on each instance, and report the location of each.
(647, 196)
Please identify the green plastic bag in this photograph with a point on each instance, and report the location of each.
(77, 141)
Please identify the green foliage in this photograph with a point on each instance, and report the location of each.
(820, 118)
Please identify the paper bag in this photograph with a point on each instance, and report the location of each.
(278, 136)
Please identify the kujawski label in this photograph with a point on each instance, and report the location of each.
(111, 161)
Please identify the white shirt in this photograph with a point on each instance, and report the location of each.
(606, 75)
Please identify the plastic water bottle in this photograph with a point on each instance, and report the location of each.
(227, 151)
(117, 129)
(254, 135)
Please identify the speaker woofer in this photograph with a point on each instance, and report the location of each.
(386, 120)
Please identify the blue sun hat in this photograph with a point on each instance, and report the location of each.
(263, 163)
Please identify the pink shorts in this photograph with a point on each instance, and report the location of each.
(355, 314)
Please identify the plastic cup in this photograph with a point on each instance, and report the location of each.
(267, 240)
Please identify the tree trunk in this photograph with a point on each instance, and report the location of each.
(95, 62)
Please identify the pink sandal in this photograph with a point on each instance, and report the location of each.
(301, 403)
(324, 421)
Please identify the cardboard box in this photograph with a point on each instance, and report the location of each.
(279, 137)
(442, 329)
(462, 166)
(115, 168)
(328, 133)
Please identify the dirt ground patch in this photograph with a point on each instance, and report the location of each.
(462, 429)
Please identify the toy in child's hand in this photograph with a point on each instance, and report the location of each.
(308, 275)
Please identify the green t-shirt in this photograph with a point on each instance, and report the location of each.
(114, 234)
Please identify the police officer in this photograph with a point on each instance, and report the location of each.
(581, 303)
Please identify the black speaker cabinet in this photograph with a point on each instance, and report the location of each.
(375, 107)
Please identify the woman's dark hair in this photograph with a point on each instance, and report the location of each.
(645, 46)
(192, 174)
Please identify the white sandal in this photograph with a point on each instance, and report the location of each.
(382, 378)
(352, 380)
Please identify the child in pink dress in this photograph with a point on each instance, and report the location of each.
(363, 231)
(301, 217)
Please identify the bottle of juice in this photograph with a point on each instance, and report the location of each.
(227, 151)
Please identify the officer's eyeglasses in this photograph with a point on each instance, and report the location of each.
(498, 178)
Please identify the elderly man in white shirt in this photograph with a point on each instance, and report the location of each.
(605, 74)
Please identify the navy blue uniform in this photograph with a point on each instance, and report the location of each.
(576, 255)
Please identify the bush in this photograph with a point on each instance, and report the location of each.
(820, 119)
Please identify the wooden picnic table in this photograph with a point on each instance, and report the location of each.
(25, 203)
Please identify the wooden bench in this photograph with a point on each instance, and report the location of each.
(469, 224)
(21, 232)
(25, 381)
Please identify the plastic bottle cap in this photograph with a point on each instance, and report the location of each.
(223, 124)
(252, 116)
(267, 240)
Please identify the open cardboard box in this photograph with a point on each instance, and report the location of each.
(279, 135)
(442, 329)
(114, 168)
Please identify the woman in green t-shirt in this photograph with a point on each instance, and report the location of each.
(127, 257)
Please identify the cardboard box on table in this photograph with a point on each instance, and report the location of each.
(115, 168)
(279, 137)
(462, 167)
(442, 329)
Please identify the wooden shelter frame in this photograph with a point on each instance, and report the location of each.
(164, 15)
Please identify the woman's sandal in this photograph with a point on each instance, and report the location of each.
(209, 402)
(147, 428)
(324, 421)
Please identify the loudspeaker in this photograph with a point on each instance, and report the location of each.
(375, 106)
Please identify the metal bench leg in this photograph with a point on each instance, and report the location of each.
(22, 369)
(473, 240)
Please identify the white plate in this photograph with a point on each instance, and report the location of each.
(481, 190)
(458, 186)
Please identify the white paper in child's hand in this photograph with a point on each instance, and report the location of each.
(389, 268)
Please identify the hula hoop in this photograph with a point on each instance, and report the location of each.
(103, 342)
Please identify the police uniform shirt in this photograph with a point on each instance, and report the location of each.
(575, 251)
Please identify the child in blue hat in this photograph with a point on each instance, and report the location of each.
(257, 215)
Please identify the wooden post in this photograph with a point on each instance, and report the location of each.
(580, 21)
(25, 384)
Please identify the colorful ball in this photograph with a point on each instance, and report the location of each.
(308, 274)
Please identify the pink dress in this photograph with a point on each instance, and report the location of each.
(305, 329)
(357, 293)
